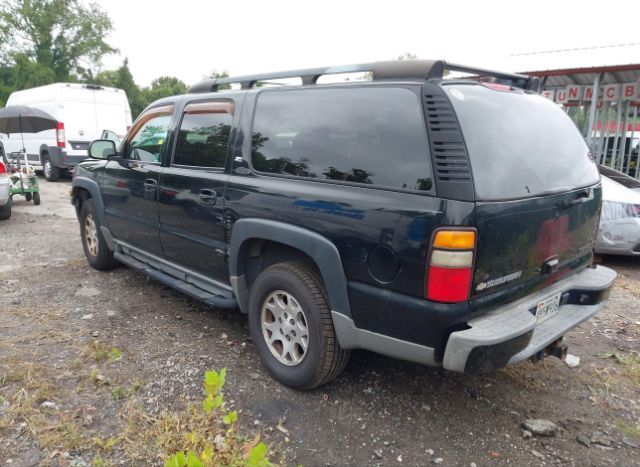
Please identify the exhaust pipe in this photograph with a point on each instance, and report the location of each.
(556, 349)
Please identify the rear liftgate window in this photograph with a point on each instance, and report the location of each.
(371, 136)
(520, 145)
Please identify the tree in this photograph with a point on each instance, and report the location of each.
(219, 74)
(123, 79)
(62, 35)
(163, 87)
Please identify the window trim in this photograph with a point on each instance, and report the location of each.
(158, 111)
(416, 91)
(200, 107)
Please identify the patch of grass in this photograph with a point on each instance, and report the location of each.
(136, 385)
(106, 445)
(199, 435)
(114, 355)
(119, 393)
(632, 431)
(101, 352)
(524, 375)
(629, 364)
(30, 386)
(628, 285)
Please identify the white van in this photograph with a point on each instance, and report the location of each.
(83, 111)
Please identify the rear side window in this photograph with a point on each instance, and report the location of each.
(520, 145)
(372, 136)
(203, 138)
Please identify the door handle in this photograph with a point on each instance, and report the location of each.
(150, 184)
(582, 197)
(208, 197)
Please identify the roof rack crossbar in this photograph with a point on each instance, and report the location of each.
(517, 79)
(397, 69)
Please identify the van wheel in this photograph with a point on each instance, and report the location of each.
(95, 247)
(5, 211)
(291, 326)
(36, 198)
(51, 172)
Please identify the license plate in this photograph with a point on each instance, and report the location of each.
(548, 307)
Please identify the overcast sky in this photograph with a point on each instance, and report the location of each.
(190, 38)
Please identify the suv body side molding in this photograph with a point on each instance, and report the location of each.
(351, 337)
(320, 249)
(183, 279)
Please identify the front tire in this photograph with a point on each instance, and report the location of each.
(95, 247)
(51, 172)
(291, 326)
(36, 198)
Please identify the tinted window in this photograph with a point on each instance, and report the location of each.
(203, 139)
(519, 144)
(364, 135)
(147, 143)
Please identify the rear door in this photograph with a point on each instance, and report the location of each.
(130, 185)
(537, 191)
(80, 120)
(112, 111)
(192, 189)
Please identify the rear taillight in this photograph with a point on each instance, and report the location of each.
(450, 267)
(3, 169)
(60, 135)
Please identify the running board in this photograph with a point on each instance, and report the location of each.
(221, 300)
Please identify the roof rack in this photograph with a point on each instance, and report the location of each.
(387, 70)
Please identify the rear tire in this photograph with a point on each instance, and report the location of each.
(95, 247)
(51, 172)
(36, 198)
(5, 211)
(287, 304)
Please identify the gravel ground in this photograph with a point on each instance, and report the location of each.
(59, 318)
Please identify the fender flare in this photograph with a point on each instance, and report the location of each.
(55, 154)
(94, 189)
(320, 249)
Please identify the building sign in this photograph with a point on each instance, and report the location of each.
(611, 92)
(630, 91)
(607, 93)
(549, 94)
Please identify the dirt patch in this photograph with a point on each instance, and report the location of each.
(66, 398)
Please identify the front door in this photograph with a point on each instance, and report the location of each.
(130, 185)
(192, 190)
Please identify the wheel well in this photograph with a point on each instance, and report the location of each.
(79, 195)
(43, 152)
(260, 254)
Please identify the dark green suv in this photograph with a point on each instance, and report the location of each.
(448, 222)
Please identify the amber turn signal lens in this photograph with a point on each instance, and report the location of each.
(455, 239)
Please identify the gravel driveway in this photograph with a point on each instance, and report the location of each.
(59, 318)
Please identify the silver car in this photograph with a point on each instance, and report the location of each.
(619, 231)
(5, 197)
(622, 178)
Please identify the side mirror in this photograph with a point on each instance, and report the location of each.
(102, 149)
